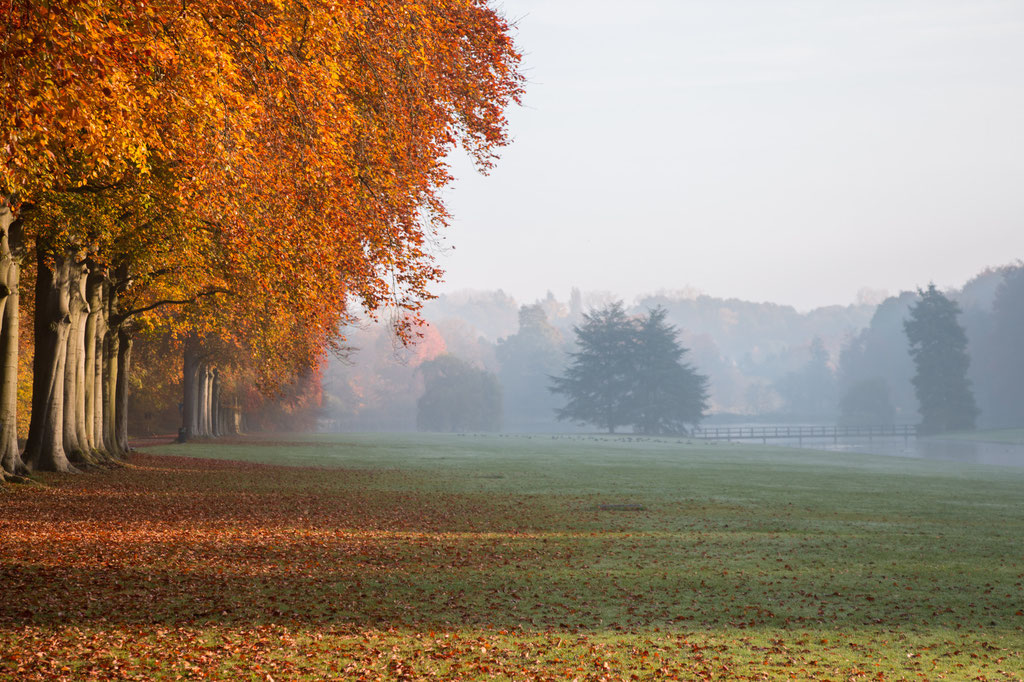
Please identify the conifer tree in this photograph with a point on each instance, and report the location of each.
(938, 346)
(668, 393)
(598, 380)
(630, 371)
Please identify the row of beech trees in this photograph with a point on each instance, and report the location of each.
(205, 411)
(82, 353)
(231, 176)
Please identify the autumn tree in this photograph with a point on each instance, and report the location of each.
(290, 149)
(377, 98)
(95, 94)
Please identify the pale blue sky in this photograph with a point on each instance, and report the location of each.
(773, 150)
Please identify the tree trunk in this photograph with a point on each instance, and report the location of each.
(99, 371)
(209, 402)
(75, 445)
(44, 450)
(216, 429)
(204, 399)
(111, 349)
(118, 351)
(124, 355)
(190, 389)
(11, 253)
(94, 292)
(231, 419)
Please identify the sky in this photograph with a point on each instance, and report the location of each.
(803, 153)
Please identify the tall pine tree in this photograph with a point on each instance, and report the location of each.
(938, 345)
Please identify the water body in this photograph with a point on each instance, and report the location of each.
(967, 452)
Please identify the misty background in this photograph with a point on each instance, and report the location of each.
(773, 171)
(766, 362)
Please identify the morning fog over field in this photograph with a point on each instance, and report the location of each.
(765, 362)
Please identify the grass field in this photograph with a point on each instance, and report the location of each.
(478, 557)
(1010, 436)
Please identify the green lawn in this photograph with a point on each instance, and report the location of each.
(417, 556)
(1012, 436)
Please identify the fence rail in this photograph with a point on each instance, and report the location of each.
(798, 433)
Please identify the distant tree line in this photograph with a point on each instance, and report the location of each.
(848, 364)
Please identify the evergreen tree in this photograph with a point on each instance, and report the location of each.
(938, 346)
(667, 393)
(597, 381)
(630, 371)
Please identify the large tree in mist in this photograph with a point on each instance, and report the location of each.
(938, 345)
(631, 371)
(598, 380)
(668, 393)
(810, 391)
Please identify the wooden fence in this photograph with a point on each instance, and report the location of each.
(799, 433)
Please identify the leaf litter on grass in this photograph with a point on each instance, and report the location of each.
(196, 568)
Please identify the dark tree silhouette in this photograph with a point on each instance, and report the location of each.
(810, 392)
(880, 350)
(629, 371)
(668, 393)
(1001, 359)
(938, 346)
(597, 381)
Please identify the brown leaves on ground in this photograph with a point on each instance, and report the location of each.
(200, 569)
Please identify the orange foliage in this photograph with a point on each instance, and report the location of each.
(259, 166)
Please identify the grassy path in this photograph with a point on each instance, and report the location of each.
(416, 557)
